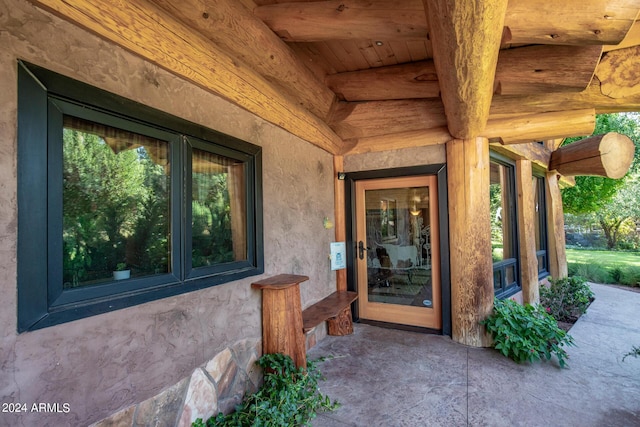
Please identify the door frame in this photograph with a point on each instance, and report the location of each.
(440, 170)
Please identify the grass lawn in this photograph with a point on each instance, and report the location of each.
(605, 266)
(612, 258)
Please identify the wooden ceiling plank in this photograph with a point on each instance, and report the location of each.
(153, 34)
(466, 40)
(349, 54)
(542, 126)
(401, 50)
(540, 69)
(367, 48)
(238, 31)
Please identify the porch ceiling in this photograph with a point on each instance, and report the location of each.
(372, 75)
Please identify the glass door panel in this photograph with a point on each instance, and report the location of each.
(398, 259)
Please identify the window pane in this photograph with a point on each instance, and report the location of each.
(115, 204)
(218, 210)
(501, 217)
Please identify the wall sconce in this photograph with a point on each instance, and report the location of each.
(342, 176)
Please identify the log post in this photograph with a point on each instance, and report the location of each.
(527, 234)
(609, 155)
(469, 239)
(555, 228)
(339, 215)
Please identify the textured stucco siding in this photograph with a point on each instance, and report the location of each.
(102, 364)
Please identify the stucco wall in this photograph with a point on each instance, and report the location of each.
(104, 363)
(418, 156)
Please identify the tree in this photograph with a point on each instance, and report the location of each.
(592, 193)
(612, 202)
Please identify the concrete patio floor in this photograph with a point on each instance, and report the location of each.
(385, 377)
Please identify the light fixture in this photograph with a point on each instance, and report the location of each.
(414, 210)
(379, 43)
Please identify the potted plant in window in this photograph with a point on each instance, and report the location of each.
(121, 272)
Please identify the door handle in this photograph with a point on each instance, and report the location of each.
(361, 249)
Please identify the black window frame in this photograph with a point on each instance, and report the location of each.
(543, 235)
(505, 290)
(43, 98)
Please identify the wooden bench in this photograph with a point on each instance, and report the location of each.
(335, 309)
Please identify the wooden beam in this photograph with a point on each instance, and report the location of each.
(592, 97)
(469, 239)
(538, 154)
(527, 232)
(619, 72)
(609, 155)
(466, 40)
(407, 81)
(538, 127)
(631, 39)
(340, 19)
(340, 221)
(540, 69)
(571, 22)
(557, 253)
(520, 71)
(152, 33)
(386, 125)
(401, 140)
(235, 29)
(364, 119)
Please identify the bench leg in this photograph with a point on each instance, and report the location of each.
(341, 324)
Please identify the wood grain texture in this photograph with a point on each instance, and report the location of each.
(340, 19)
(149, 31)
(282, 317)
(469, 239)
(538, 154)
(234, 28)
(400, 140)
(570, 22)
(538, 127)
(619, 73)
(342, 324)
(631, 39)
(540, 69)
(557, 252)
(327, 308)
(466, 40)
(365, 119)
(527, 232)
(340, 221)
(609, 155)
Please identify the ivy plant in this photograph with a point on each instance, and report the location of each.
(526, 333)
(289, 397)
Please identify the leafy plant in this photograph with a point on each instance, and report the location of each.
(288, 397)
(566, 299)
(121, 266)
(526, 333)
(635, 352)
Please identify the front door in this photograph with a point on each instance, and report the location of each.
(397, 254)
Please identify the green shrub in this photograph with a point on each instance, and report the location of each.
(526, 333)
(566, 299)
(289, 397)
(592, 272)
(630, 276)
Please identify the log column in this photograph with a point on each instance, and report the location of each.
(555, 228)
(469, 239)
(340, 221)
(527, 232)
